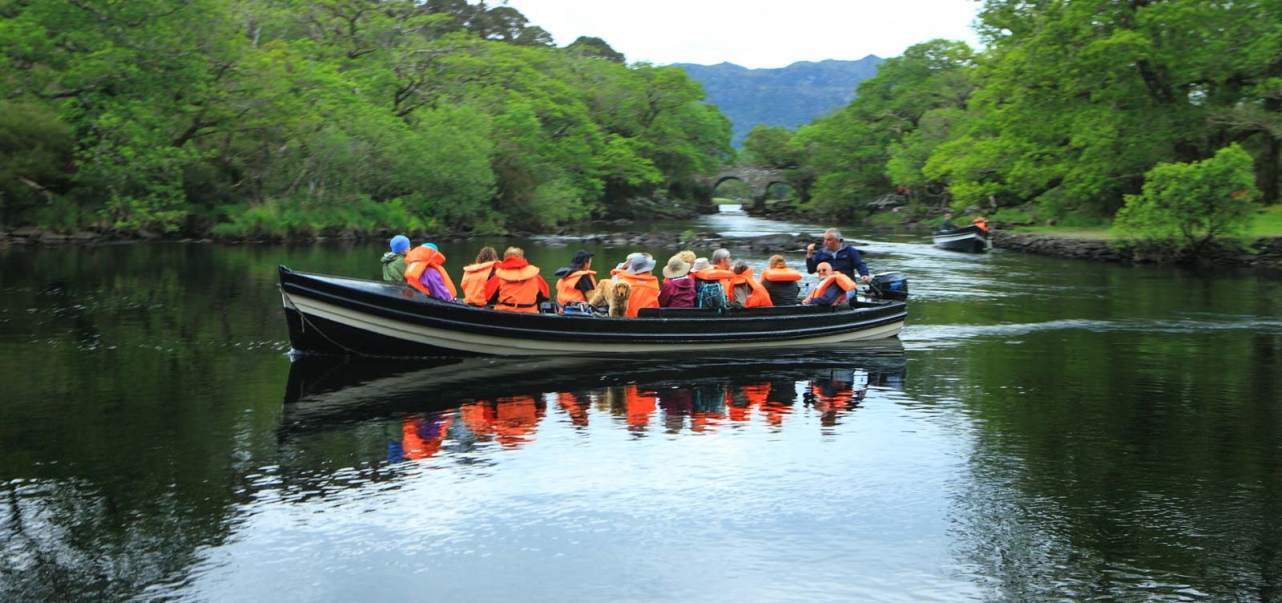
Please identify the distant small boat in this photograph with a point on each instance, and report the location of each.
(970, 239)
(355, 317)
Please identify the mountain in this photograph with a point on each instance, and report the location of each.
(787, 97)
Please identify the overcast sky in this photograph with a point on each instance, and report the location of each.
(753, 33)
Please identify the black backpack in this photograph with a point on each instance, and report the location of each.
(710, 295)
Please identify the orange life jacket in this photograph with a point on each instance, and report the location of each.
(717, 274)
(566, 290)
(779, 275)
(421, 258)
(759, 298)
(645, 291)
(981, 223)
(473, 282)
(840, 279)
(518, 286)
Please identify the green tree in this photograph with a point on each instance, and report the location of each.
(1185, 207)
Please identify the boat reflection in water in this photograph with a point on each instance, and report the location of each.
(439, 402)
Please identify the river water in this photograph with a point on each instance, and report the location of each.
(1042, 430)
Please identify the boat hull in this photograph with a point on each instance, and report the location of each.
(970, 239)
(333, 315)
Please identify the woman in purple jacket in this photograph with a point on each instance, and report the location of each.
(678, 289)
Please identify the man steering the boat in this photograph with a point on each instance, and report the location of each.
(843, 258)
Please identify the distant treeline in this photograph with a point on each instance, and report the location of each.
(1066, 112)
(252, 117)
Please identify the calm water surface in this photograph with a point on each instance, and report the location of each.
(1043, 430)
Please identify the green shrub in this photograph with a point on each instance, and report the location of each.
(1187, 206)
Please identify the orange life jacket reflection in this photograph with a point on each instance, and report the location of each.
(567, 288)
(759, 298)
(645, 291)
(841, 280)
(511, 421)
(578, 411)
(473, 282)
(423, 258)
(641, 405)
(422, 437)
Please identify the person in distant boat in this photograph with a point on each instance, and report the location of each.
(476, 274)
(516, 285)
(678, 289)
(394, 260)
(948, 224)
(842, 258)
(645, 286)
(781, 282)
(747, 292)
(833, 287)
(425, 271)
(981, 223)
(576, 282)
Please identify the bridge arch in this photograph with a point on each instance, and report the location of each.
(758, 179)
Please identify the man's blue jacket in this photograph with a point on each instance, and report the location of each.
(845, 260)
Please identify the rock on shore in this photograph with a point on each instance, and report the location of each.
(1267, 250)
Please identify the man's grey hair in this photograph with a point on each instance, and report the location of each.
(834, 232)
(720, 254)
(740, 267)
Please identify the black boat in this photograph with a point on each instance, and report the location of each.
(347, 316)
(970, 239)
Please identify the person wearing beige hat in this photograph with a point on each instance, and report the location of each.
(645, 286)
(678, 289)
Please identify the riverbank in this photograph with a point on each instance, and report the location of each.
(1264, 252)
(658, 239)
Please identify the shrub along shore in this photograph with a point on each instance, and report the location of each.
(1264, 253)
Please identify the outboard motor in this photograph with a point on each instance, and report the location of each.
(890, 285)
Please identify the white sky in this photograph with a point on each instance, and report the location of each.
(753, 33)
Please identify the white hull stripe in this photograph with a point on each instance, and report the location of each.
(515, 346)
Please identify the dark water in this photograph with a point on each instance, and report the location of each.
(1044, 430)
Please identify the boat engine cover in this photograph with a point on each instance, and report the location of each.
(890, 285)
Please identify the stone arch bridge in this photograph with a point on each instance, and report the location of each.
(759, 179)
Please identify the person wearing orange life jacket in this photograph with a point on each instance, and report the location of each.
(425, 271)
(576, 282)
(981, 223)
(832, 289)
(718, 271)
(516, 285)
(781, 282)
(748, 293)
(475, 276)
(645, 286)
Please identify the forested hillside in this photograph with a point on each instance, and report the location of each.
(301, 116)
(787, 97)
(1072, 111)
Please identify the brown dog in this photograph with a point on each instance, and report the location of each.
(613, 294)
